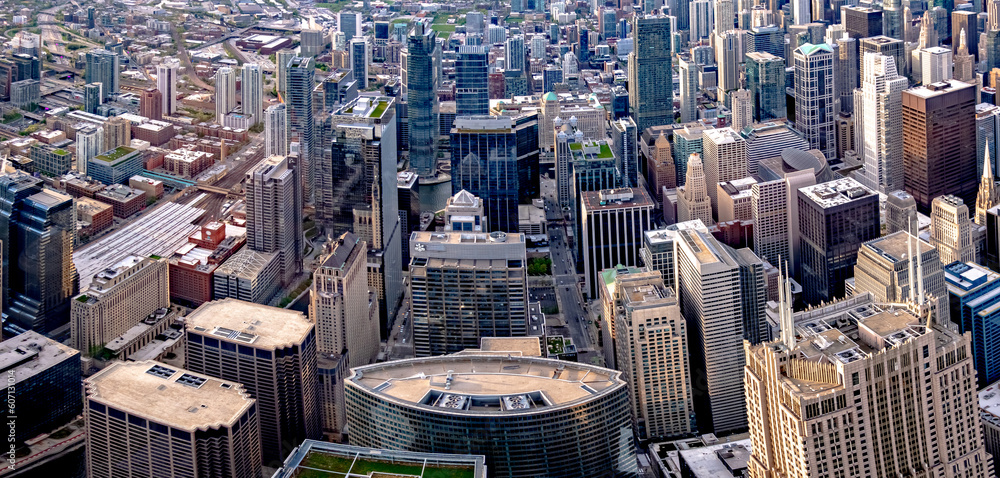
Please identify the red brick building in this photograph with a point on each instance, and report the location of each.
(125, 200)
(151, 104)
(193, 265)
(93, 216)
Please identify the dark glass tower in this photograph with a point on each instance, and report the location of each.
(299, 98)
(423, 58)
(471, 89)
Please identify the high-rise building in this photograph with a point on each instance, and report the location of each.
(951, 229)
(848, 71)
(725, 159)
(118, 298)
(420, 80)
(972, 296)
(89, 143)
(964, 22)
(276, 130)
(117, 133)
(359, 50)
(151, 104)
(742, 103)
(814, 96)
(274, 214)
(488, 272)
(166, 82)
(650, 73)
(38, 228)
(515, 53)
(312, 42)
(624, 146)
(611, 225)
(252, 91)
(282, 58)
(900, 213)
(722, 295)
(272, 352)
(964, 61)
(835, 219)
(471, 89)
(92, 97)
(43, 380)
(861, 22)
(299, 83)
(730, 46)
(103, 67)
(345, 312)
(882, 89)
(887, 265)
(886, 46)
(350, 24)
(935, 65)
(765, 74)
(493, 405)
(939, 142)
(651, 347)
(775, 210)
(856, 426)
(147, 418)
(689, 90)
(988, 196)
(692, 197)
(488, 161)
(225, 93)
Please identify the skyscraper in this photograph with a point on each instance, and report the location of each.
(252, 91)
(964, 69)
(274, 213)
(650, 73)
(515, 53)
(421, 79)
(275, 360)
(882, 90)
(464, 286)
(835, 218)
(350, 24)
(276, 130)
(103, 67)
(689, 90)
(814, 96)
(939, 142)
(299, 98)
(900, 213)
(692, 197)
(862, 22)
(742, 104)
(89, 143)
(359, 50)
(151, 419)
(166, 82)
(225, 93)
(988, 196)
(651, 344)
(886, 46)
(951, 229)
(725, 159)
(722, 296)
(43, 380)
(151, 104)
(282, 58)
(92, 97)
(765, 74)
(965, 23)
(848, 71)
(471, 89)
(935, 65)
(856, 426)
(624, 137)
(887, 268)
(611, 225)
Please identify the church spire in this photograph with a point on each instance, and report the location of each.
(988, 196)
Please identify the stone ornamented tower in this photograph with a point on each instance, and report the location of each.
(988, 196)
(692, 200)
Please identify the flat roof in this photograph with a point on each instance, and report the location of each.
(989, 401)
(528, 346)
(321, 460)
(559, 382)
(939, 88)
(712, 461)
(31, 353)
(624, 198)
(50, 198)
(894, 246)
(272, 327)
(169, 397)
(836, 192)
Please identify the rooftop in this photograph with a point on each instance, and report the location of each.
(238, 321)
(318, 459)
(527, 346)
(486, 384)
(669, 233)
(895, 247)
(169, 395)
(836, 192)
(623, 198)
(344, 249)
(935, 89)
(246, 263)
(31, 353)
(989, 402)
(113, 155)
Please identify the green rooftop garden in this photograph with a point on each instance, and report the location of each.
(605, 151)
(379, 109)
(61, 152)
(112, 156)
(325, 465)
(83, 298)
(576, 146)
(555, 345)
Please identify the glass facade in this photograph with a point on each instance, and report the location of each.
(765, 74)
(471, 91)
(421, 76)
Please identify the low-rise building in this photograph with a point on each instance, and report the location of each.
(92, 217)
(187, 163)
(125, 200)
(115, 166)
(152, 187)
(248, 275)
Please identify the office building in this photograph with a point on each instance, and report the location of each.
(252, 91)
(964, 62)
(885, 267)
(942, 435)
(990, 418)
(661, 172)
(848, 71)
(276, 130)
(43, 380)
(964, 29)
(248, 275)
(299, 98)
(117, 299)
(611, 225)
(988, 196)
(89, 143)
(471, 91)
(50, 160)
(725, 159)
(151, 104)
(774, 206)
(117, 133)
(92, 97)
(658, 252)
(771, 139)
(272, 352)
(765, 76)
(147, 418)
(38, 228)
(722, 294)
(972, 298)
(952, 230)
(225, 92)
(650, 73)
(282, 58)
(741, 106)
(491, 160)
(350, 24)
(515, 53)
(835, 219)
(491, 405)
(360, 51)
(882, 123)
(116, 165)
(814, 96)
(651, 345)
(314, 456)
(886, 46)
(861, 22)
(935, 65)
(689, 90)
(687, 140)
(464, 286)
(692, 197)
(312, 42)
(625, 148)
(274, 220)
(103, 67)
(166, 82)
(900, 213)
(420, 81)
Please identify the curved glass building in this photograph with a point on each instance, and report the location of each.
(529, 416)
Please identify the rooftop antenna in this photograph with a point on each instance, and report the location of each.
(909, 262)
(785, 307)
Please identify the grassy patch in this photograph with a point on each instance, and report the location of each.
(335, 6)
(112, 156)
(539, 266)
(438, 27)
(555, 345)
(11, 117)
(379, 109)
(363, 466)
(75, 46)
(605, 151)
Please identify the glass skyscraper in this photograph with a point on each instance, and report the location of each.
(765, 74)
(471, 89)
(650, 72)
(299, 98)
(420, 76)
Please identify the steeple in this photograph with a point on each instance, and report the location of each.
(988, 196)
(963, 48)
